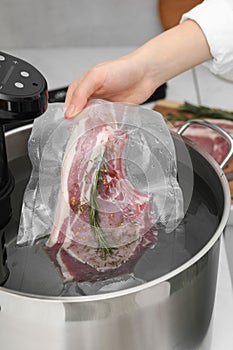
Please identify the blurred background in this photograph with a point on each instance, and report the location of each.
(72, 23)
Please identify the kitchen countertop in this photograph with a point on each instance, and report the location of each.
(61, 66)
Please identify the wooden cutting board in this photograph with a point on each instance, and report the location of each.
(170, 11)
(166, 107)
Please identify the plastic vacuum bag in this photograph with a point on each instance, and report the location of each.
(101, 186)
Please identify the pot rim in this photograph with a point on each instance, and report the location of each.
(166, 277)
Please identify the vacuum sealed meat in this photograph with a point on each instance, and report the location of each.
(101, 187)
(101, 220)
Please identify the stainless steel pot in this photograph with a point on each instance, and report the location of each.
(173, 311)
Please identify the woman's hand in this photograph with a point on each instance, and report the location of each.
(124, 79)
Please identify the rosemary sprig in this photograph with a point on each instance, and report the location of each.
(195, 112)
(201, 111)
(178, 117)
(103, 247)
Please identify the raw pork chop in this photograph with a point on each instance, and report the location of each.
(102, 224)
(208, 139)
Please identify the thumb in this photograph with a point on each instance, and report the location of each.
(79, 93)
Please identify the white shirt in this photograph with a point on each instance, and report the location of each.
(215, 17)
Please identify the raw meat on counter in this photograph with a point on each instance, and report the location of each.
(102, 223)
(209, 140)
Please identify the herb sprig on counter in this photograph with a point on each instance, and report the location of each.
(103, 247)
(195, 112)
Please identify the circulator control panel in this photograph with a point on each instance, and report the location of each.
(23, 89)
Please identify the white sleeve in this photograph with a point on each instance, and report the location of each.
(215, 17)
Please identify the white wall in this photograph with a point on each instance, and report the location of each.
(56, 23)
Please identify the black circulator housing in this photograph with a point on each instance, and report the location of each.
(23, 97)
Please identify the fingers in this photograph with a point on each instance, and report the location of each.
(75, 101)
(70, 91)
(80, 91)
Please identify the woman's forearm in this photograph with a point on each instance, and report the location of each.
(173, 52)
